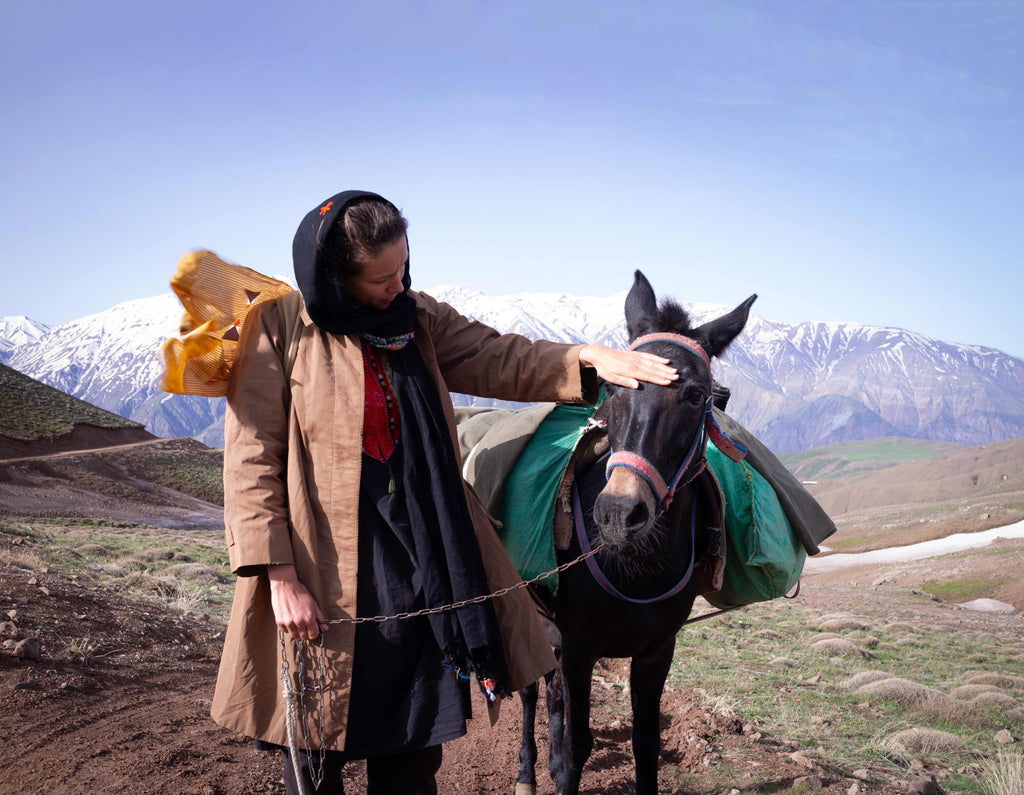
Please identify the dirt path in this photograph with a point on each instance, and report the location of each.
(66, 453)
(129, 711)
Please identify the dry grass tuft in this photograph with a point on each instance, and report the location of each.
(190, 599)
(92, 551)
(816, 623)
(865, 678)
(924, 742)
(844, 625)
(838, 647)
(864, 639)
(194, 571)
(999, 680)
(1004, 775)
(996, 698)
(969, 692)
(158, 553)
(901, 691)
(21, 559)
(899, 628)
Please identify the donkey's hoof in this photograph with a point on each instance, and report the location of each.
(526, 789)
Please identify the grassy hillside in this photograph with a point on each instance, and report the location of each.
(31, 410)
(895, 491)
(853, 458)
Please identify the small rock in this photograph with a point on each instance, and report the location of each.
(926, 786)
(12, 614)
(802, 759)
(1003, 737)
(810, 782)
(853, 789)
(8, 629)
(814, 679)
(44, 590)
(863, 774)
(9, 644)
(33, 580)
(29, 649)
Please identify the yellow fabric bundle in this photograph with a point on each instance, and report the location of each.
(217, 295)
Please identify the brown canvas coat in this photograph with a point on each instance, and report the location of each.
(291, 494)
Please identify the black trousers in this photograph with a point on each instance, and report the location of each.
(405, 774)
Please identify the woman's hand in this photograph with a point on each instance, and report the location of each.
(295, 611)
(627, 368)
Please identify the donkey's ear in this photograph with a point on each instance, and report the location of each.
(717, 334)
(641, 307)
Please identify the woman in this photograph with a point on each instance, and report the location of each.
(344, 498)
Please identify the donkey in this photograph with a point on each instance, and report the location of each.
(636, 592)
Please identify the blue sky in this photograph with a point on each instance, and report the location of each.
(852, 161)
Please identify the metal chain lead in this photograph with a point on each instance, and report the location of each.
(428, 611)
(319, 690)
(317, 687)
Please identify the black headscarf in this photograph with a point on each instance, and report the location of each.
(448, 556)
(327, 300)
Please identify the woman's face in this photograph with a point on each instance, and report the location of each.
(380, 280)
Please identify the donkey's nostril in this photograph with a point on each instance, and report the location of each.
(637, 517)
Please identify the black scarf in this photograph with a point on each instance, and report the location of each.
(327, 300)
(446, 549)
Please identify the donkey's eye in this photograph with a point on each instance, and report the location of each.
(695, 397)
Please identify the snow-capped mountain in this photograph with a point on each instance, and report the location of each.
(111, 359)
(18, 330)
(795, 385)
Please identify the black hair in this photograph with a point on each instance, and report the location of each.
(359, 234)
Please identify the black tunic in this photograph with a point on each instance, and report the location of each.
(403, 697)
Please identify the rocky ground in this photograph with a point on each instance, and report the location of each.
(114, 693)
(120, 692)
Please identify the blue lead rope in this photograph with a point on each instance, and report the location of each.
(595, 570)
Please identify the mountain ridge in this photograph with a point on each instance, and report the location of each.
(795, 386)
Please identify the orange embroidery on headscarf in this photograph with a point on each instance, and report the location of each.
(326, 208)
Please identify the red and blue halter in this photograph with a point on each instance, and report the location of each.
(693, 464)
(695, 461)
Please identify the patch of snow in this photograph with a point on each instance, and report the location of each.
(989, 606)
(926, 549)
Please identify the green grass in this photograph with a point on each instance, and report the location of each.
(963, 590)
(31, 410)
(133, 561)
(736, 658)
(861, 456)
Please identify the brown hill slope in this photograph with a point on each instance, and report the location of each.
(970, 489)
(37, 419)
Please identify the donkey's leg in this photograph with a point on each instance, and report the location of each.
(554, 687)
(577, 671)
(647, 676)
(526, 783)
